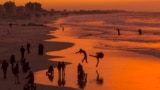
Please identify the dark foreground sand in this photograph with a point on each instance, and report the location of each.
(11, 39)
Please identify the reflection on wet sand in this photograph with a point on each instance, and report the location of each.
(81, 76)
(99, 80)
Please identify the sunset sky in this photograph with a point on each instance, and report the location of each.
(136, 5)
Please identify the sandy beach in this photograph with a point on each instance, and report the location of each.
(12, 38)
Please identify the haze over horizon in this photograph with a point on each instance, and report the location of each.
(130, 5)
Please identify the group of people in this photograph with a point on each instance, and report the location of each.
(98, 56)
(24, 64)
(81, 75)
(61, 73)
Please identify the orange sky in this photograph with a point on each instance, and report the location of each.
(136, 5)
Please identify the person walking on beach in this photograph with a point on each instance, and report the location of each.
(22, 50)
(28, 47)
(16, 73)
(98, 56)
(4, 68)
(12, 60)
(84, 53)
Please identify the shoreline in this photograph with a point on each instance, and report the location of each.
(20, 35)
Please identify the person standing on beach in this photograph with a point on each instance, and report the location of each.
(16, 73)
(84, 53)
(28, 47)
(12, 60)
(63, 66)
(4, 68)
(22, 50)
(118, 30)
(59, 68)
(40, 49)
(140, 31)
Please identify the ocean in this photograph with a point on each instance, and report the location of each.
(131, 60)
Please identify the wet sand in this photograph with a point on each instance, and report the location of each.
(119, 69)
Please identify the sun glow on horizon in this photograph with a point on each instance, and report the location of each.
(141, 5)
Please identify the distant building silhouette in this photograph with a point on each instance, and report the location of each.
(9, 8)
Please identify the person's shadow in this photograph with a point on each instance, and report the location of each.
(99, 80)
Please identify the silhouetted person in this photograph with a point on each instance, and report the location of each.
(10, 25)
(12, 60)
(50, 70)
(140, 31)
(84, 53)
(22, 50)
(59, 68)
(98, 79)
(40, 49)
(28, 47)
(30, 78)
(98, 56)
(4, 68)
(16, 73)
(63, 66)
(118, 30)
